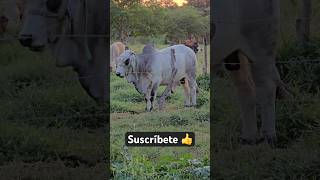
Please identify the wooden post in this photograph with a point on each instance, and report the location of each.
(303, 21)
(205, 66)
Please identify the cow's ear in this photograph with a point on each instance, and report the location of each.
(53, 5)
(127, 61)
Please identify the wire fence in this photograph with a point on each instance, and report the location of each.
(297, 60)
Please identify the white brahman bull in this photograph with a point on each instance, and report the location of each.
(149, 70)
(116, 49)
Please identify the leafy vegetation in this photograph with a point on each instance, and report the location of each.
(154, 19)
(49, 127)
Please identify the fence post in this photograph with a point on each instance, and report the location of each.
(303, 21)
(205, 66)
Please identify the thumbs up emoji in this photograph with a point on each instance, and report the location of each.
(187, 140)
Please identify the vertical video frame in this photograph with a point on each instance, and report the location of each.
(159, 61)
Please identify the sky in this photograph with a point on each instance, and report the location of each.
(179, 2)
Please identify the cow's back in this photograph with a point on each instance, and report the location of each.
(185, 61)
(118, 48)
(247, 25)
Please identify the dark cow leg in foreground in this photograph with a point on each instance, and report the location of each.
(247, 99)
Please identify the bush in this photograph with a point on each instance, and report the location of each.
(301, 66)
(204, 82)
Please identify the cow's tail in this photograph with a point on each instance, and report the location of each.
(197, 87)
(284, 89)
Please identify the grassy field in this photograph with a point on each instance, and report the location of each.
(296, 155)
(127, 107)
(49, 127)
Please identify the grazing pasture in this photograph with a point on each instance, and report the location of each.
(49, 127)
(128, 114)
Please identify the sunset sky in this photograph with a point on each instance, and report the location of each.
(179, 2)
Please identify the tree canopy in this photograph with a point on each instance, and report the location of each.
(155, 18)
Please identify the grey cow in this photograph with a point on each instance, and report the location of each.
(152, 68)
(245, 39)
(66, 26)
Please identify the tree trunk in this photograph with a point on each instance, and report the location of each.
(303, 22)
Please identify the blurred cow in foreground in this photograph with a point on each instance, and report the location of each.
(76, 33)
(152, 68)
(116, 49)
(245, 41)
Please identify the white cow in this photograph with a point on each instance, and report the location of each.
(149, 70)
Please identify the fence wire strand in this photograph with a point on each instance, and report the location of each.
(6, 38)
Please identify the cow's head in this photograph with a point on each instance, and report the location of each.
(126, 62)
(43, 21)
(54, 22)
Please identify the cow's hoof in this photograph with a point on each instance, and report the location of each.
(244, 141)
(148, 110)
(187, 106)
(270, 140)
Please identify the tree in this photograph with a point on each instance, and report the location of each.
(168, 3)
(126, 3)
(185, 23)
(202, 4)
(119, 20)
(145, 20)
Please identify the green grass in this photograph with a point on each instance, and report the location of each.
(49, 127)
(296, 155)
(127, 108)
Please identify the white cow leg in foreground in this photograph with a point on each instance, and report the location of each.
(193, 91)
(247, 97)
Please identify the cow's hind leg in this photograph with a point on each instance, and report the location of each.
(266, 96)
(186, 89)
(193, 91)
(240, 70)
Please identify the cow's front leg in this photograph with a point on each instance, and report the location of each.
(149, 99)
(150, 96)
(193, 92)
